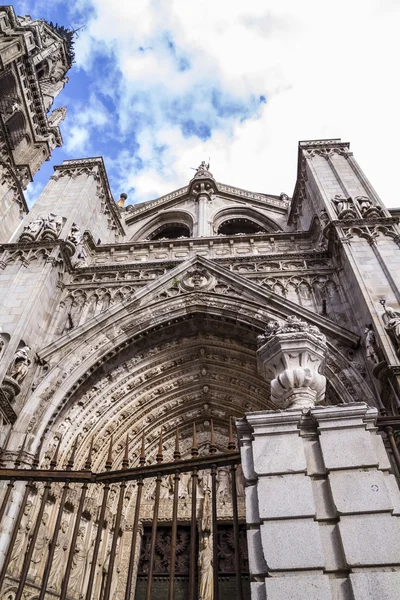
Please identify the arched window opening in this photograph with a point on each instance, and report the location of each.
(42, 69)
(8, 94)
(240, 226)
(171, 231)
(16, 126)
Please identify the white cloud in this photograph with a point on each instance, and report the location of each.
(326, 69)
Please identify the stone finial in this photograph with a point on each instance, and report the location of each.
(291, 354)
(121, 201)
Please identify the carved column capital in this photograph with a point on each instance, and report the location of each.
(291, 355)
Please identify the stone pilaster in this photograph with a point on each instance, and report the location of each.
(322, 506)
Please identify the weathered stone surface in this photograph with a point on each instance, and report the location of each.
(257, 590)
(323, 499)
(331, 543)
(370, 540)
(348, 448)
(360, 491)
(290, 544)
(252, 509)
(305, 587)
(285, 496)
(375, 585)
(279, 454)
(257, 564)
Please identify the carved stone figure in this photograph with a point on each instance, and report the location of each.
(223, 488)
(206, 575)
(239, 481)
(32, 229)
(75, 235)
(42, 539)
(370, 345)
(392, 322)
(344, 207)
(60, 558)
(52, 226)
(20, 364)
(78, 564)
(203, 166)
(20, 542)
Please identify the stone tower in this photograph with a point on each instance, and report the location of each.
(34, 59)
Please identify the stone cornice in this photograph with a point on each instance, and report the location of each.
(172, 263)
(268, 237)
(370, 222)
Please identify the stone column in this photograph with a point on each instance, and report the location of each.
(322, 507)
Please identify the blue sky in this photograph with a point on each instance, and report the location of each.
(160, 85)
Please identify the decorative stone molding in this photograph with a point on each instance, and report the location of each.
(292, 354)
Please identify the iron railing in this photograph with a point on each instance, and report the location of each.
(67, 476)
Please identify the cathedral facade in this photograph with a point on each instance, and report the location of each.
(140, 334)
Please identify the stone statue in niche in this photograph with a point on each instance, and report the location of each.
(206, 575)
(60, 558)
(371, 345)
(20, 364)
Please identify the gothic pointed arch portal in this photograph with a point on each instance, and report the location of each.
(180, 352)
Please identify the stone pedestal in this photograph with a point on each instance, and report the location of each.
(322, 507)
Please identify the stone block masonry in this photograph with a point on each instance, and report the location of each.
(322, 505)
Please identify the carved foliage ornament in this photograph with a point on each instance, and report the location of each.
(292, 355)
(42, 228)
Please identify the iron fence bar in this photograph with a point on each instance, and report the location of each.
(193, 532)
(128, 589)
(32, 542)
(106, 490)
(53, 543)
(64, 587)
(184, 466)
(214, 529)
(6, 498)
(96, 547)
(173, 537)
(153, 537)
(114, 541)
(239, 590)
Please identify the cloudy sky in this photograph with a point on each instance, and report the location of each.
(159, 85)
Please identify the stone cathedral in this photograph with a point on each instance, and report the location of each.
(199, 394)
